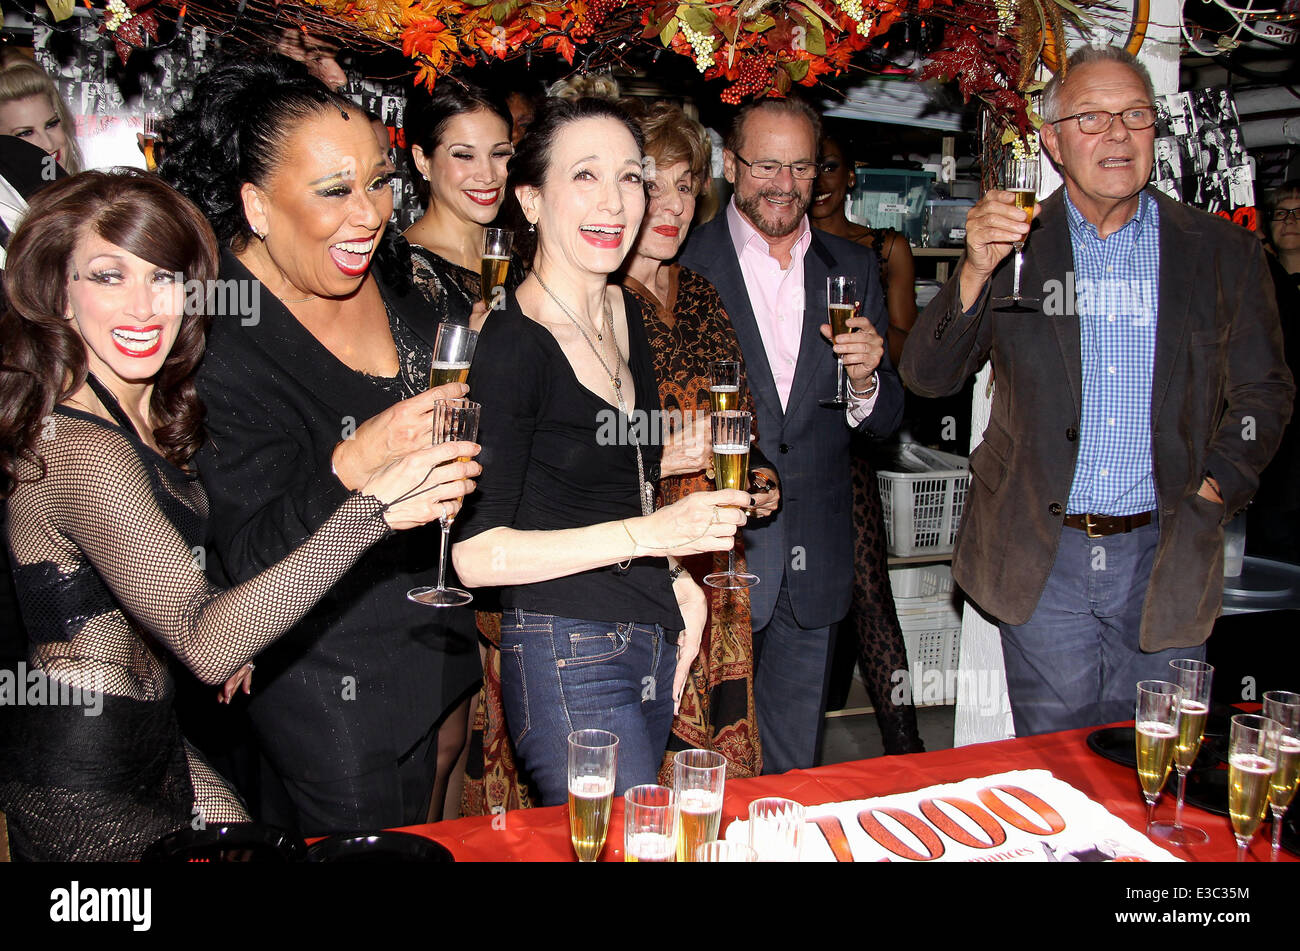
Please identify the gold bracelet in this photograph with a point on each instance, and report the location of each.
(623, 565)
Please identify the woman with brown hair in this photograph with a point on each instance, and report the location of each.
(99, 425)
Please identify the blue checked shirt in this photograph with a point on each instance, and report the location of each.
(1117, 287)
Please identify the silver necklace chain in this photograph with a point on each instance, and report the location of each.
(646, 491)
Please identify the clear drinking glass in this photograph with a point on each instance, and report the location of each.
(724, 385)
(593, 764)
(1252, 761)
(1195, 678)
(776, 829)
(649, 824)
(699, 777)
(453, 421)
(841, 304)
(495, 263)
(453, 352)
(723, 851)
(1020, 175)
(731, 432)
(1159, 704)
(1283, 707)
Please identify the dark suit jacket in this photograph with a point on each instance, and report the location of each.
(810, 539)
(278, 402)
(1221, 395)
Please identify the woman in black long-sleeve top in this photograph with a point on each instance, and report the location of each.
(321, 379)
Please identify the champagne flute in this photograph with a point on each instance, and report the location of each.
(495, 263)
(841, 303)
(1020, 176)
(1159, 705)
(731, 431)
(698, 780)
(649, 824)
(1195, 678)
(453, 352)
(453, 421)
(1252, 761)
(724, 385)
(1283, 707)
(593, 764)
(776, 829)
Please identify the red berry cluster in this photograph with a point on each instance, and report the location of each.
(753, 76)
(596, 13)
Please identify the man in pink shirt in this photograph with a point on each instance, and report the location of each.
(771, 268)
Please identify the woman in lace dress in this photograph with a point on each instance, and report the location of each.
(99, 424)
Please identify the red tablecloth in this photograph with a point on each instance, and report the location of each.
(542, 835)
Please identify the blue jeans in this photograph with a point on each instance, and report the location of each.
(1076, 662)
(564, 674)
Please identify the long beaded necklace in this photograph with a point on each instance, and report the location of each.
(646, 490)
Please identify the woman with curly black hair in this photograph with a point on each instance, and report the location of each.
(321, 384)
(99, 424)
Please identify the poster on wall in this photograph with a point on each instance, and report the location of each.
(1200, 156)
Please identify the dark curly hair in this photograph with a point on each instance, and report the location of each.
(233, 130)
(427, 114)
(42, 356)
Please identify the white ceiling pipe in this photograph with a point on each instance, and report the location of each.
(1270, 99)
(1263, 133)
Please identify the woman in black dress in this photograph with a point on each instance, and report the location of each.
(99, 424)
(323, 382)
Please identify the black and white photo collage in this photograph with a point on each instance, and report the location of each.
(1200, 157)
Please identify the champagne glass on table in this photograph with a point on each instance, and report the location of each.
(698, 779)
(1195, 678)
(453, 421)
(453, 352)
(593, 763)
(1020, 176)
(1159, 705)
(731, 430)
(724, 385)
(649, 824)
(841, 304)
(1252, 761)
(495, 263)
(1283, 707)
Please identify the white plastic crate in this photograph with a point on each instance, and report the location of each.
(933, 640)
(922, 581)
(923, 500)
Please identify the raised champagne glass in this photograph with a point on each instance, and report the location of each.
(1195, 678)
(1252, 761)
(1283, 707)
(698, 780)
(495, 263)
(649, 824)
(593, 764)
(1020, 176)
(731, 432)
(841, 304)
(453, 352)
(1159, 705)
(724, 385)
(453, 421)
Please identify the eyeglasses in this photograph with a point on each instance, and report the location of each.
(1282, 214)
(803, 171)
(1095, 123)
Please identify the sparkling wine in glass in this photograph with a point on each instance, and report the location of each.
(453, 352)
(1020, 177)
(1195, 678)
(495, 263)
(841, 304)
(1252, 762)
(724, 385)
(453, 421)
(649, 824)
(1283, 707)
(1159, 705)
(593, 764)
(698, 780)
(731, 432)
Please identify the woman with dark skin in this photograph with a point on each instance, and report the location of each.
(872, 615)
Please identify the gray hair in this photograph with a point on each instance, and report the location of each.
(1082, 57)
(790, 106)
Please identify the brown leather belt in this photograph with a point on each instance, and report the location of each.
(1097, 526)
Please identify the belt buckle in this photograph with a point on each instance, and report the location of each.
(1088, 526)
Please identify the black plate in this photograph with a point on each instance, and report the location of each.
(232, 842)
(1119, 745)
(378, 847)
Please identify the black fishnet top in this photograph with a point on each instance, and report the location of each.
(452, 289)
